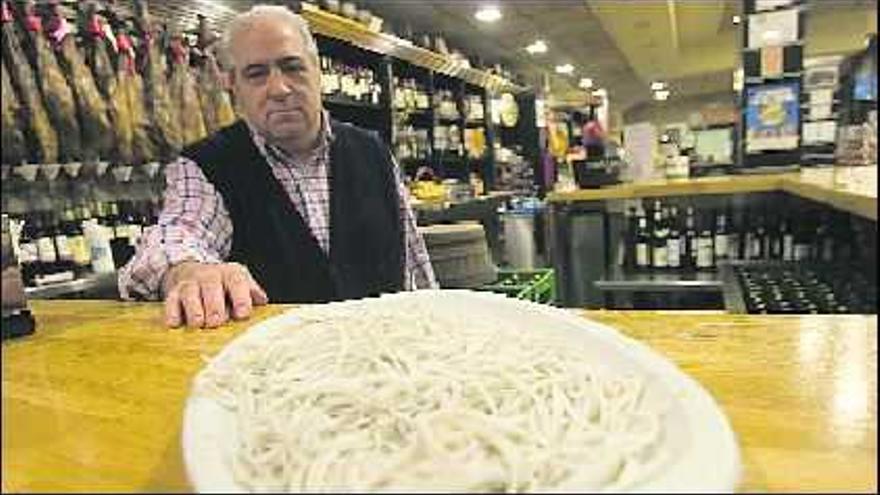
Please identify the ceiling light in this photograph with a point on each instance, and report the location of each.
(564, 69)
(488, 14)
(737, 19)
(585, 83)
(661, 95)
(657, 85)
(537, 47)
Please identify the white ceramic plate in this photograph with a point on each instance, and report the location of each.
(703, 453)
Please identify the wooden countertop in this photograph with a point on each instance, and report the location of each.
(852, 189)
(93, 401)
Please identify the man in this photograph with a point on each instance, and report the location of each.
(285, 206)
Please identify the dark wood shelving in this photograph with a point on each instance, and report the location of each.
(343, 102)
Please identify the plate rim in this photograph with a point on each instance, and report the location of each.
(717, 447)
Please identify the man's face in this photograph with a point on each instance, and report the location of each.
(277, 83)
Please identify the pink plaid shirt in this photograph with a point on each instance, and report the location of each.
(195, 225)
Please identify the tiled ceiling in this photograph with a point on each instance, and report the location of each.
(573, 34)
(621, 45)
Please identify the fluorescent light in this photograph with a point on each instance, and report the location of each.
(661, 95)
(585, 83)
(488, 14)
(564, 69)
(737, 19)
(537, 47)
(657, 85)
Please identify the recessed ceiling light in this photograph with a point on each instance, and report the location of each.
(488, 14)
(539, 46)
(564, 69)
(661, 95)
(657, 85)
(737, 19)
(585, 83)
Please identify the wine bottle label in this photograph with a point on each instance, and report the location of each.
(695, 246)
(79, 249)
(721, 246)
(733, 246)
(642, 254)
(673, 252)
(704, 252)
(661, 256)
(788, 247)
(46, 250)
(63, 248)
(28, 253)
(753, 244)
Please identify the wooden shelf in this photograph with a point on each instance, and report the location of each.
(335, 26)
(342, 102)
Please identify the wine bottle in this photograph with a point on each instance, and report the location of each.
(643, 243)
(674, 243)
(660, 251)
(691, 240)
(631, 222)
(705, 245)
(721, 239)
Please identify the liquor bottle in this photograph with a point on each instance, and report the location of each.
(660, 252)
(674, 244)
(705, 245)
(643, 243)
(691, 240)
(721, 239)
(28, 257)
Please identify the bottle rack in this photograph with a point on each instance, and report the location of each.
(765, 236)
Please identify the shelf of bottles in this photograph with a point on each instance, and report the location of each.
(79, 240)
(346, 84)
(780, 247)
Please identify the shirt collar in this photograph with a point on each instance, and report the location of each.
(278, 155)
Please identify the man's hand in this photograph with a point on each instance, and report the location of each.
(196, 293)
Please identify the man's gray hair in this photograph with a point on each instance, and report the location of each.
(244, 20)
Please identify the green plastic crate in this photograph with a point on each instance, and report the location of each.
(531, 285)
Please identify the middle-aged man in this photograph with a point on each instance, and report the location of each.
(284, 206)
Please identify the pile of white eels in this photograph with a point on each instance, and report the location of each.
(396, 395)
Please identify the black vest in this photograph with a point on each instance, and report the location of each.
(272, 239)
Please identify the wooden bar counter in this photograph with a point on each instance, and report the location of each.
(851, 189)
(93, 401)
